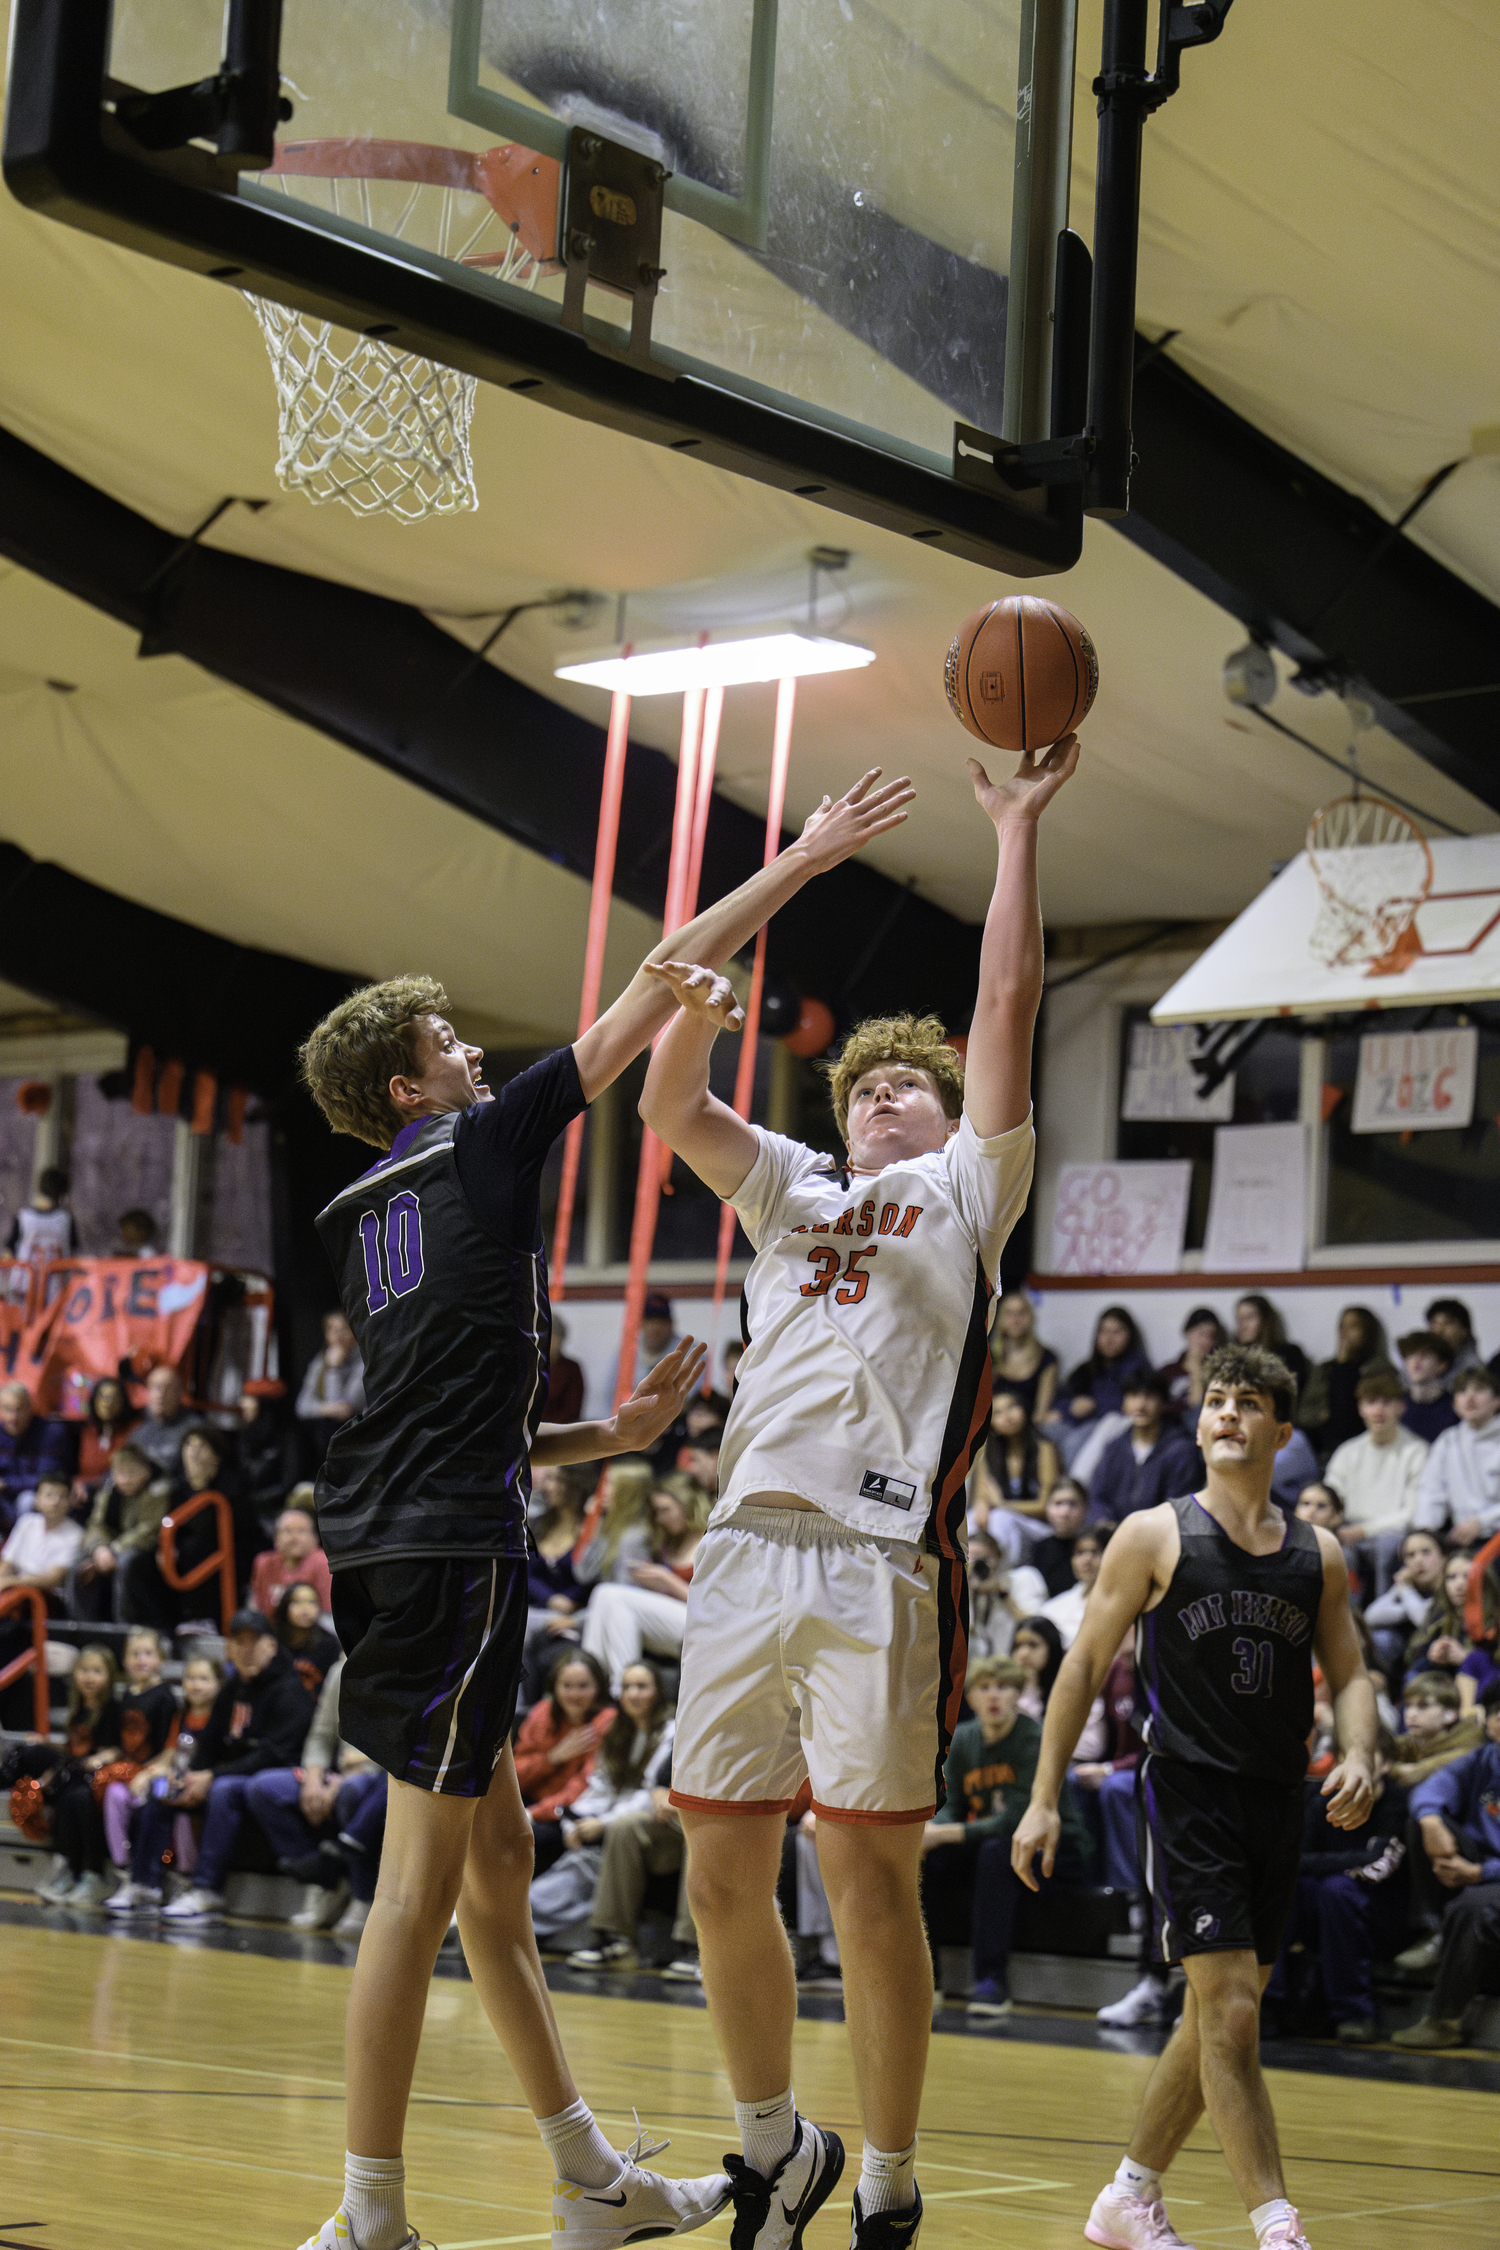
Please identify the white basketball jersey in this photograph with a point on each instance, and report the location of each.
(864, 1387)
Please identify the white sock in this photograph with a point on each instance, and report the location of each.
(887, 2179)
(580, 2154)
(1138, 2179)
(375, 2201)
(1266, 2214)
(767, 2130)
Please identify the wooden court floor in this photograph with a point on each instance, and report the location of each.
(156, 2093)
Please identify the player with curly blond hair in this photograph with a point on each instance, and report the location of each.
(827, 1619)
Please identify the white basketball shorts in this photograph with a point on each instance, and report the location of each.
(814, 1653)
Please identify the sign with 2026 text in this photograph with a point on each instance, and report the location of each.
(1415, 1081)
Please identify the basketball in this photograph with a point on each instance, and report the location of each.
(1021, 673)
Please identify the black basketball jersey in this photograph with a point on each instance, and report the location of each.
(1224, 1661)
(441, 1271)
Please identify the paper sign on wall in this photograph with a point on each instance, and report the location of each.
(1257, 1216)
(1415, 1081)
(1120, 1218)
(1161, 1086)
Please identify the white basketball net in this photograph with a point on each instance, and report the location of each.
(1373, 870)
(379, 429)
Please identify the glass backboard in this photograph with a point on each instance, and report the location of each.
(844, 223)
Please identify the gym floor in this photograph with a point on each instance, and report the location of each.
(192, 2085)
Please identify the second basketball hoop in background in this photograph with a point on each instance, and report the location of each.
(1021, 673)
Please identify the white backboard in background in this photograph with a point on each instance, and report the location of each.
(1262, 965)
(1257, 1215)
(1415, 1081)
(1120, 1218)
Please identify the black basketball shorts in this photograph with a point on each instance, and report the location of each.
(1219, 1856)
(434, 1661)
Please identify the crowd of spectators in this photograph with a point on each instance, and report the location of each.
(157, 1788)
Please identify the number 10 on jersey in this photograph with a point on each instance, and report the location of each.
(393, 1256)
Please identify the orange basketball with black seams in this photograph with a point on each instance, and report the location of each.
(1021, 673)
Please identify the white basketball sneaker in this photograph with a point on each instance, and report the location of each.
(635, 2206)
(1122, 2221)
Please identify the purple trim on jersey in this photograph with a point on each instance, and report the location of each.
(1162, 1909)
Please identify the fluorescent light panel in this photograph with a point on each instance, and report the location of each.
(670, 671)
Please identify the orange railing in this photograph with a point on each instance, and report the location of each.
(221, 1560)
(1474, 1620)
(33, 1659)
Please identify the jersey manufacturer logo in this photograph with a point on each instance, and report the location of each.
(891, 1492)
(1206, 1926)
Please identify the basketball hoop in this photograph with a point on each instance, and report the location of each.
(382, 430)
(1373, 871)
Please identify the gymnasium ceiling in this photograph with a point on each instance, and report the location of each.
(1321, 226)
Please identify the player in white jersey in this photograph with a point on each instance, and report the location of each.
(827, 1619)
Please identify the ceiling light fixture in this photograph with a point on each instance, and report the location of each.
(671, 671)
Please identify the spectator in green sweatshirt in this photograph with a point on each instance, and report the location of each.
(988, 1780)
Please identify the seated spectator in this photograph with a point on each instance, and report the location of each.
(333, 1389)
(1349, 1912)
(698, 1461)
(167, 1421)
(45, 1543)
(148, 1728)
(297, 1622)
(623, 1527)
(1019, 1361)
(1103, 1771)
(107, 1427)
(145, 1596)
(1256, 1321)
(733, 1353)
(136, 1235)
(1066, 1610)
(639, 1844)
(1202, 1333)
(1404, 1609)
(1066, 1507)
(124, 1521)
(558, 1743)
(44, 1229)
(1326, 1406)
(1378, 1477)
(650, 1611)
(325, 1820)
(1293, 1468)
(30, 1445)
(1017, 1469)
(1038, 1649)
(1152, 1460)
(65, 1780)
(564, 1378)
(562, 1899)
(1448, 1317)
(656, 1336)
(295, 1558)
(1001, 1593)
(1427, 1360)
(1443, 1642)
(266, 1443)
(1095, 1390)
(259, 1720)
(553, 1594)
(1319, 1503)
(1458, 1813)
(1460, 1494)
(987, 1778)
(202, 1678)
(1436, 1728)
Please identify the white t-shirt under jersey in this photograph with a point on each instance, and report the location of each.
(865, 1380)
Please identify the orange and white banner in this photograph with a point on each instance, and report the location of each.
(100, 1316)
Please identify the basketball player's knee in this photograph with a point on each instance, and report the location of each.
(501, 1863)
(717, 1889)
(1232, 2024)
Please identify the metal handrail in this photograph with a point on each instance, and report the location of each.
(33, 1659)
(221, 1560)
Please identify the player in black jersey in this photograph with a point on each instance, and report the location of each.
(422, 1512)
(1230, 1603)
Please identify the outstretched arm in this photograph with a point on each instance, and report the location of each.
(997, 1073)
(651, 1409)
(832, 834)
(675, 1100)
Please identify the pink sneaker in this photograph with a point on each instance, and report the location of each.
(1286, 2234)
(1122, 2221)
